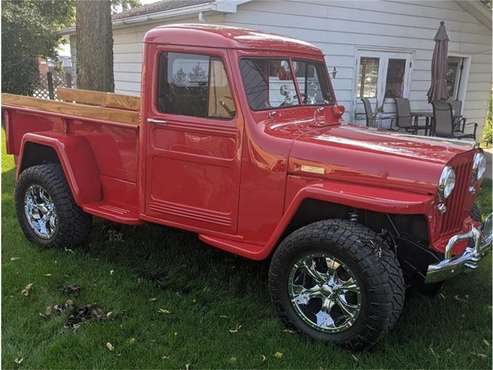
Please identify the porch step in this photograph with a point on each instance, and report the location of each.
(113, 213)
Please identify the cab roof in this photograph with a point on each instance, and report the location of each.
(219, 36)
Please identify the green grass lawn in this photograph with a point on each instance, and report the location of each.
(215, 308)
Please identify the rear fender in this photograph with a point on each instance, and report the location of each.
(76, 158)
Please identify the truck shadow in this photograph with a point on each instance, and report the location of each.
(177, 260)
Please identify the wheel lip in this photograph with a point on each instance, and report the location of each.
(299, 313)
(28, 194)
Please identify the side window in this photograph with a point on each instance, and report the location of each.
(194, 85)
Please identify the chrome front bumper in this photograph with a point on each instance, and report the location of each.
(469, 260)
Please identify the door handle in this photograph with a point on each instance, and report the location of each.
(156, 121)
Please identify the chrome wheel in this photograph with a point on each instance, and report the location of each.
(325, 293)
(40, 211)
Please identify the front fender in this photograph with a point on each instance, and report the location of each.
(371, 198)
(359, 196)
(77, 161)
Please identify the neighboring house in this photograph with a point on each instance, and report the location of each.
(46, 65)
(377, 48)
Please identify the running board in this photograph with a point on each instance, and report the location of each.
(252, 251)
(113, 213)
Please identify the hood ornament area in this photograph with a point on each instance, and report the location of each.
(316, 114)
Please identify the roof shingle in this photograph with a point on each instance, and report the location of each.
(159, 6)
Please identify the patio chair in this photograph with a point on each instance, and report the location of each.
(456, 106)
(444, 122)
(372, 118)
(460, 122)
(404, 117)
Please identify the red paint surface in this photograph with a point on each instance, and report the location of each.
(237, 182)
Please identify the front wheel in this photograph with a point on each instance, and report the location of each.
(46, 210)
(337, 281)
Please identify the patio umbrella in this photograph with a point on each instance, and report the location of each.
(439, 65)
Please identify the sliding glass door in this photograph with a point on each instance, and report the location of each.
(380, 77)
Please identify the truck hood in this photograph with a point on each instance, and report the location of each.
(422, 148)
(355, 154)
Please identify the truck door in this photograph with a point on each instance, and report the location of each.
(193, 142)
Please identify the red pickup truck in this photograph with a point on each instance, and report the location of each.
(238, 137)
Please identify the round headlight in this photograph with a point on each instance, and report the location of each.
(446, 183)
(479, 165)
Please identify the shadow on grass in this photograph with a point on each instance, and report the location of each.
(176, 260)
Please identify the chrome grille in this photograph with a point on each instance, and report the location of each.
(452, 219)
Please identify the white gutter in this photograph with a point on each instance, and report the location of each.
(220, 6)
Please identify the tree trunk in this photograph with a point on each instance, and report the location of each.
(94, 42)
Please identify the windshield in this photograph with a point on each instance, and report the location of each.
(269, 83)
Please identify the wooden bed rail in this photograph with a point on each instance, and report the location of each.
(128, 117)
(99, 98)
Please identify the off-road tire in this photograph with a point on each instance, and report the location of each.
(73, 224)
(368, 256)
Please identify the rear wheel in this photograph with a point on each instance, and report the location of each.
(46, 210)
(337, 281)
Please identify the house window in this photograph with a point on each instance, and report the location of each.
(380, 77)
(454, 76)
(368, 77)
(394, 85)
(390, 71)
(194, 85)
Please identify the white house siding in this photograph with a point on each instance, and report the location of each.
(340, 28)
(128, 53)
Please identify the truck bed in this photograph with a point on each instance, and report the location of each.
(104, 128)
(109, 107)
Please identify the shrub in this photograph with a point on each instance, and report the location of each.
(488, 129)
(30, 28)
